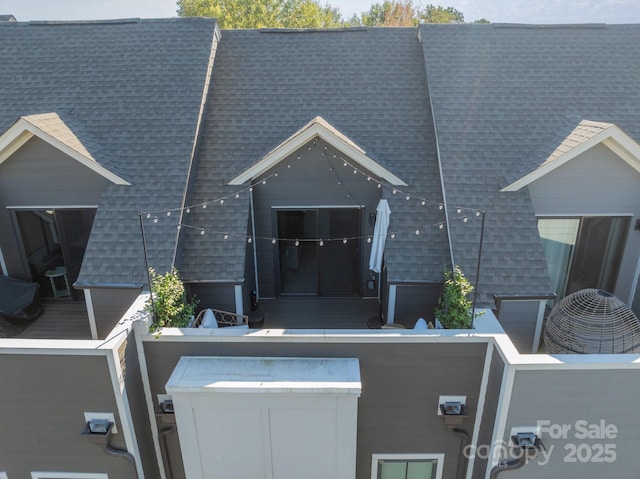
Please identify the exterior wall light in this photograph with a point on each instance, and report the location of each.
(453, 412)
(98, 430)
(165, 412)
(528, 440)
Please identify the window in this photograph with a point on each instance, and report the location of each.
(67, 475)
(407, 466)
(583, 252)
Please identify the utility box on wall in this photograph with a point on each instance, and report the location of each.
(272, 418)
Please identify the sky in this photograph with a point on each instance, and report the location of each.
(497, 11)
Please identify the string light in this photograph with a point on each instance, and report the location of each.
(225, 236)
(478, 213)
(465, 219)
(155, 220)
(344, 241)
(237, 195)
(179, 227)
(417, 232)
(423, 202)
(458, 210)
(188, 210)
(148, 215)
(368, 239)
(273, 241)
(441, 225)
(393, 235)
(168, 213)
(297, 242)
(204, 206)
(202, 231)
(440, 207)
(222, 201)
(321, 243)
(408, 197)
(249, 240)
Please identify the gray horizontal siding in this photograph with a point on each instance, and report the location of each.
(39, 174)
(109, 305)
(564, 397)
(518, 319)
(597, 183)
(44, 399)
(401, 384)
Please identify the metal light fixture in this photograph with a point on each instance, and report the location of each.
(527, 440)
(453, 412)
(98, 430)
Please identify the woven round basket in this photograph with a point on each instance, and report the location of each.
(591, 321)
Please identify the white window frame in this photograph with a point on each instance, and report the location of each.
(439, 458)
(68, 475)
(3, 475)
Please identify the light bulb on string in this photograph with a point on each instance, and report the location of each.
(273, 241)
(188, 210)
(344, 164)
(441, 225)
(264, 182)
(417, 232)
(298, 157)
(440, 207)
(275, 174)
(465, 219)
(225, 236)
(369, 239)
(393, 235)
(423, 202)
(368, 178)
(288, 165)
(251, 188)
(355, 172)
(168, 213)
(344, 241)
(148, 215)
(478, 213)
(249, 240)
(155, 219)
(297, 242)
(458, 210)
(321, 243)
(222, 201)
(202, 231)
(408, 197)
(237, 195)
(179, 227)
(204, 206)
(379, 185)
(395, 191)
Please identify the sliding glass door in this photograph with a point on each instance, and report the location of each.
(583, 252)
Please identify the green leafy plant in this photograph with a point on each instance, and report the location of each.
(454, 305)
(170, 307)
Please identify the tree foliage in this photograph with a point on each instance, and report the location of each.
(454, 304)
(407, 13)
(263, 13)
(312, 14)
(170, 306)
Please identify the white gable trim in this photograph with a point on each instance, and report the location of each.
(318, 127)
(22, 131)
(613, 138)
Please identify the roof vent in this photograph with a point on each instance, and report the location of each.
(592, 321)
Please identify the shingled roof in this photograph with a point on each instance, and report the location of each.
(500, 94)
(367, 84)
(127, 94)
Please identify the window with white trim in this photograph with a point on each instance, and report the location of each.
(407, 466)
(67, 475)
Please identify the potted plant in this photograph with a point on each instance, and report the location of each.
(454, 305)
(170, 307)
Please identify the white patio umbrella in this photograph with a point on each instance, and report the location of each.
(379, 236)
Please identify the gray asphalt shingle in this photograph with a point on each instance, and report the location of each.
(369, 84)
(501, 94)
(134, 89)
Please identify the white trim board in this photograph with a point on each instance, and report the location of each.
(24, 130)
(612, 137)
(68, 475)
(317, 128)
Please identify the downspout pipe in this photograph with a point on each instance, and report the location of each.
(511, 465)
(113, 451)
(462, 461)
(162, 434)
